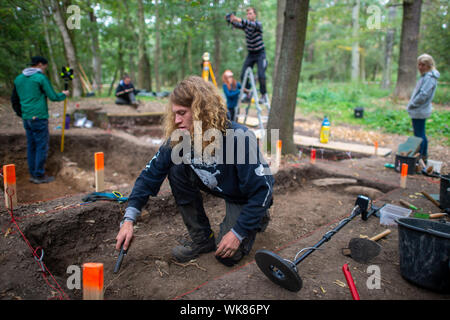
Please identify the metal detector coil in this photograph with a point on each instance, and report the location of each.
(283, 272)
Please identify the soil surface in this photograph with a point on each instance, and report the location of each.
(71, 232)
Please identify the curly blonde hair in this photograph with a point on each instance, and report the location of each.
(205, 101)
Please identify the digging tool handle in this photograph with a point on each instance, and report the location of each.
(350, 282)
(407, 205)
(381, 235)
(431, 199)
(437, 215)
(122, 253)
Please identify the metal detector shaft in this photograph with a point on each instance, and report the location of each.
(329, 234)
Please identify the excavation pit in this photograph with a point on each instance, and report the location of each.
(72, 233)
(74, 169)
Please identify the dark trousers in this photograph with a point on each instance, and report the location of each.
(419, 131)
(186, 187)
(260, 59)
(230, 114)
(37, 145)
(127, 98)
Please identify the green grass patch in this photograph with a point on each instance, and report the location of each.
(338, 101)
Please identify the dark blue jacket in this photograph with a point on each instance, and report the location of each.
(247, 182)
(232, 96)
(122, 87)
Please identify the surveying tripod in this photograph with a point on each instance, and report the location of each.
(67, 75)
(249, 76)
(207, 69)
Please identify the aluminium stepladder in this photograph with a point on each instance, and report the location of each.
(249, 75)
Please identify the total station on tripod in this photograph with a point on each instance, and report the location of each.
(66, 74)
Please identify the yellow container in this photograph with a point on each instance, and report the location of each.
(325, 131)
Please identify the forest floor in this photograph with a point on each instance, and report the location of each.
(54, 217)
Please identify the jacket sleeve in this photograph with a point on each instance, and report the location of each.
(119, 90)
(15, 101)
(257, 184)
(149, 181)
(49, 92)
(238, 25)
(426, 89)
(252, 24)
(231, 93)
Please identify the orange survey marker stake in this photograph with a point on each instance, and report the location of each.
(376, 147)
(313, 156)
(9, 181)
(99, 171)
(279, 145)
(403, 175)
(93, 281)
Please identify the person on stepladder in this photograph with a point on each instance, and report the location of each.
(29, 100)
(256, 52)
(232, 89)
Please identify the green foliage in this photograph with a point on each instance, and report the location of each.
(338, 101)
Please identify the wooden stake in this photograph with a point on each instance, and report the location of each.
(99, 171)
(93, 281)
(376, 147)
(9, 182)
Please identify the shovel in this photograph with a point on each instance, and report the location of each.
(363, 250)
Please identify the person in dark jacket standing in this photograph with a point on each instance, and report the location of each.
(255, 46)
(419, 106)
(231, 89)
(238, 174)
(126, 93)
(31, 90)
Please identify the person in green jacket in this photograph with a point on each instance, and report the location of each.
(31, 89)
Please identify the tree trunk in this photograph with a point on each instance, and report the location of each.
(390, 36)
(69, 48)
(189, 53)
(96, 60)
(53, 66)
(281, 6)
(217, 57)
(355, 46)
(144, 81)
(407, 65)
(157, 48)
(287, 76)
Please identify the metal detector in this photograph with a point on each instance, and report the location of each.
(283, 272)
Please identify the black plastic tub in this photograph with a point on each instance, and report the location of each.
(444, 194)
(410, 161)
(424, 249)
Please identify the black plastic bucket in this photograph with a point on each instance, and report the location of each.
(410, 161)
(424, 249)
(444, 194)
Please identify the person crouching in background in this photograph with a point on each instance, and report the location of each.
(231, 88)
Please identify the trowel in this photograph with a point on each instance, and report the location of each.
(363, 250)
